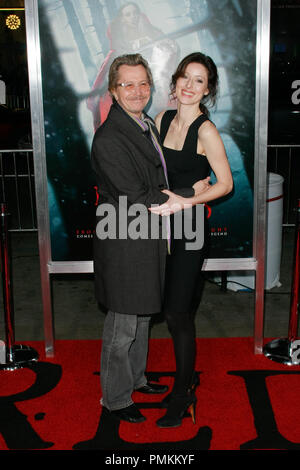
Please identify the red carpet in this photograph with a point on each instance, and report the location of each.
(245, 401)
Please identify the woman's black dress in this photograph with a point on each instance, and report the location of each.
(183, 268)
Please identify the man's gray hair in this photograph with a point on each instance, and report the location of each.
(127, 59)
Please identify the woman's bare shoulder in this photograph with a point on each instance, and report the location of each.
(207, 129)
(158, 118)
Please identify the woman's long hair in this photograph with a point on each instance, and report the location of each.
(213, 78)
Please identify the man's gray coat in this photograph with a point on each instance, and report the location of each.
(129, 273)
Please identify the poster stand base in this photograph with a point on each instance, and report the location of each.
(19, 356)
(286, 350)
(282, 350)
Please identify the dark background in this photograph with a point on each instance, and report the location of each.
(15, 128)
(284, 115)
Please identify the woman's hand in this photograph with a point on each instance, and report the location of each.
(201, 186)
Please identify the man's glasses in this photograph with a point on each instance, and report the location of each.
(129, 86)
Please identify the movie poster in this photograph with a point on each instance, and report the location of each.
(79, 40)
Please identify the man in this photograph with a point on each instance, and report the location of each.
(129, 271)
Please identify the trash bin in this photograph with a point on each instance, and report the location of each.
(274, 229)
(245, 280)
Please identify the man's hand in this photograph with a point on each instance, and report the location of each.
(174, 204)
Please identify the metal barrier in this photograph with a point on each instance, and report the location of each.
(17, 188)
(17, 101)
(285, 160)
(15, 356)
(286, 350)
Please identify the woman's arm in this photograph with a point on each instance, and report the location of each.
(210, 141)
(212, 146)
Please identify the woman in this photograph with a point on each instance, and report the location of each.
(192, 147)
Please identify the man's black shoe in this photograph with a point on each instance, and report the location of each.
(130, 414)
(151, 387)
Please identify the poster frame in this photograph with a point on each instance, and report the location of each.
(255, 263)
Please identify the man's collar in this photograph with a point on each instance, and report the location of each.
(134, 120)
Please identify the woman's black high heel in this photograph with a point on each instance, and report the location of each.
(177, 409)
(195, 383)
